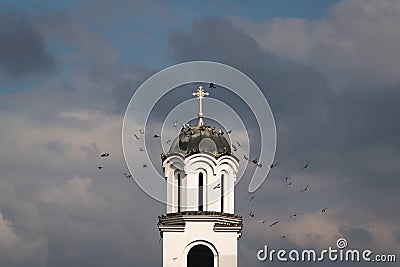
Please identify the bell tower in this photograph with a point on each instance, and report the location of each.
(200, 227)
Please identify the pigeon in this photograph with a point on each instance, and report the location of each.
(305, 189)
(250, 198)
(274, 223)
(255, 161)
(211, 85)
(306, 166)
(273, 165)
(104, 155)
(291, 182)
(128, 176)
(288, 178)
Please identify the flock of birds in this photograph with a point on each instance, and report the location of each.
(288, 180)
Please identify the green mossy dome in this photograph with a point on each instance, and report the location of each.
(200, 139)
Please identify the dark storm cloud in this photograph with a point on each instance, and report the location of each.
(359, 236)
(298, 95)
(350, 137)
(22, 49)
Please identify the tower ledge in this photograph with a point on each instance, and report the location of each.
(223, 222)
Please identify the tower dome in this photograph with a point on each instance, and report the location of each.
(200, 139)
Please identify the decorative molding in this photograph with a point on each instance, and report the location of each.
(223, 222)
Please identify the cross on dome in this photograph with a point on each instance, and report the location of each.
(200, 94)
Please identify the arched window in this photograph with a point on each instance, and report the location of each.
(222, 192)
(201, 182)
(178, 176)
(200, 255)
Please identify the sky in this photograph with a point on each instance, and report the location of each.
(330, 71)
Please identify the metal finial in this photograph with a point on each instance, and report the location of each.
(200, 94)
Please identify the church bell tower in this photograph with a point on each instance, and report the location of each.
(200, 227)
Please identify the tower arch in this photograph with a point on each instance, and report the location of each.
(200, 253)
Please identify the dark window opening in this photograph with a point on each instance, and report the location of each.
(200, 256)
(222, 193)
(179, 192)
(201, 191)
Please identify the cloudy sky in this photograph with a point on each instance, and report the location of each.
(330, 71)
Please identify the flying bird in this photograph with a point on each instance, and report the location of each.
(237, 142)
(175, 123)
(291, 182)
(305, 189)
(137, 137)
(250, 198)
(284, 236)
(261, 221)
(251, 214)
(127, 175)
(104, 155)
(288, 178)
(211, 85)
(169, 141)
(100, 167)
(245, 157)
(274, 223)
(255, 161)
(234, 147)
(273, 165)
(229, 131)
(141, 131)
(156, 136)
(144, 165)
(217, 186)
(175, 258)
(294, 215)
(324, 210)
(306, 166)
(141, 149)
